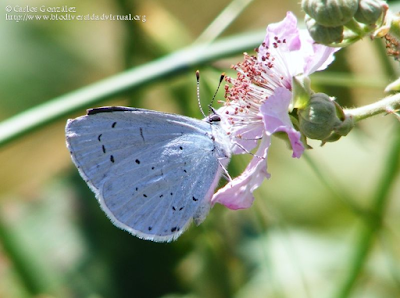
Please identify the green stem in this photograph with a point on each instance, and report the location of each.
(371, 227)
(386, 105)
(60, 107)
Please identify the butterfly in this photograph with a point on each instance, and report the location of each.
(153, 173)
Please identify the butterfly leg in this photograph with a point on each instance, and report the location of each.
(247, 151)
(225, 171)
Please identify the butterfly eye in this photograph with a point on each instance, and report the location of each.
(214, 118)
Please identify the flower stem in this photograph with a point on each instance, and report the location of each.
(386, 105)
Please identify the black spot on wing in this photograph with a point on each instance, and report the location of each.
(174, 229)
(104, 148)
(99, 137)
(137, 161)
(194, 199)
(180, 209)
(112, 158)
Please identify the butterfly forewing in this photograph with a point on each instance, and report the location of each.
(153, 173)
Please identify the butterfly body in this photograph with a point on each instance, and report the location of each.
(153, 173)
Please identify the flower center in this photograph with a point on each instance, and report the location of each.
(256, 81)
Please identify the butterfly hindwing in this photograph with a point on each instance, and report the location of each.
(153, 173)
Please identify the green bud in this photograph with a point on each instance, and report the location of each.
(318, 120)
(324, 119)
(330, 13)
(369, 11)
(324, 35)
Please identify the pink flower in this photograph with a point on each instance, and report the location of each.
(258, 103)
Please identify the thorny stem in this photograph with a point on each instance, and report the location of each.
(386, 105)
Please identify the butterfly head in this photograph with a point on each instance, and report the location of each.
(214, 117)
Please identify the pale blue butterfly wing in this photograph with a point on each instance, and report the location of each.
(152, 173)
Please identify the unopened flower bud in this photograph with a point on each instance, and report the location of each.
(322, 34)
(318, 120)
(369, 11)
(330, 13)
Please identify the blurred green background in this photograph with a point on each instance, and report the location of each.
(326, 225)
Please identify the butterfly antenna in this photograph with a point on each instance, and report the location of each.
(216, 91)
(198, 93)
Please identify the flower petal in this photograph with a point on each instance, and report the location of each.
(238, 193)
(316, 56)
(280, 53)
(285, 29)
(276, 118)
(295, 49)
